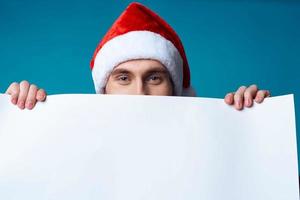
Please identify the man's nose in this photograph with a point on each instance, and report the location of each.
(140, 88)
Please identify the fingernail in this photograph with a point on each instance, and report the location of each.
(14, 100)
(29, 105)
(239, 104)
(258, 99)
(248, 102)
(21, 104)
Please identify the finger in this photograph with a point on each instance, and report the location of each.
(261, 94)
(268, 93)
(41, 95)
(31, 97)
(24, 87)
(229, 98)
(13, 90)
(249, 95)
(239, 98)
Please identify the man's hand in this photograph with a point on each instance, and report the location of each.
(25, 95)
(245, 96)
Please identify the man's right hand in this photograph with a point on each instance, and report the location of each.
(25, 95)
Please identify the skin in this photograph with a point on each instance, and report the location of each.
(140, 77)
(135, 77)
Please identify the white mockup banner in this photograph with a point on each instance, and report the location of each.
(121, 147)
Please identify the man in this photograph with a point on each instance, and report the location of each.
(140, 55)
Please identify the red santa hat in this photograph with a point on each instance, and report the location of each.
(139, 33)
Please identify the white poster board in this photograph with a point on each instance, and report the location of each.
(117, 147)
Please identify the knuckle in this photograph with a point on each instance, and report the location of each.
(24, 83)
(41, 94)
(31, 95)
(264, 94)
(13, 88)
(254, 86)
(33, 87)
(229, 94)
(247, 94)
(15, 91)
(14, 84)
(44, 92)
(259, 96)
(237, 97)
(242, 87)
(260, 93)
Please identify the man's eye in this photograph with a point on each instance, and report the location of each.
(154, 79)
(123, 79)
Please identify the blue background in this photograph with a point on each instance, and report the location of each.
(228, 43)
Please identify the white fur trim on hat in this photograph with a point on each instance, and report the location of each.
(137, 45)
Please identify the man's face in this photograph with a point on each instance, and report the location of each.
(140, 77)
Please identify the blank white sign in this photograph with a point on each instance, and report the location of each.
(119, 147)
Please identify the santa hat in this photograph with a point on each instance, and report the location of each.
(139, 33)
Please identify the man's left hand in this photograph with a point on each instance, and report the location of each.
(245, 96)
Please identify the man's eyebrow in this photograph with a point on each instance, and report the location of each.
(157, 70)
(151, 71)
(120, 71)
